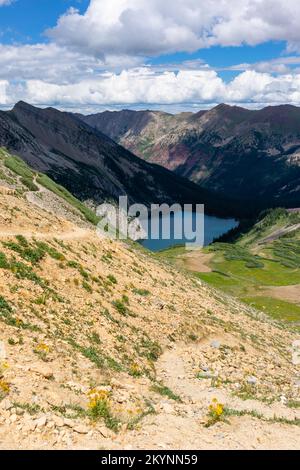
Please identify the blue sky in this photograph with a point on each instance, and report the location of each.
(175, 55)
(39, 14)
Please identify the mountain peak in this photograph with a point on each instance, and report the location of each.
(222, 106)
(22, 105)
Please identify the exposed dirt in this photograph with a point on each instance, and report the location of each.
(288, 293)
(181, 425)
(196, 261)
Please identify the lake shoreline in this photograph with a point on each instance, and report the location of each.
(212, 228)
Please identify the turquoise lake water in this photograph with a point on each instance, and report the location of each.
(214, 227)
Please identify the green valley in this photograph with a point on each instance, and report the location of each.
(261, 267)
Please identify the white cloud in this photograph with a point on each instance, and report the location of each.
(131, 87)
(3, 92)
(281, 65)
(5, 2)
(135, 86)
(53, 63)
(153, 27)
(96, 59)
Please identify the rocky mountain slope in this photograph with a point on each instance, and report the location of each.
(89, 164)
(248, 155)
(103, 346)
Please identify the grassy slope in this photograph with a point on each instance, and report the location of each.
(27, 177)
(273, 264)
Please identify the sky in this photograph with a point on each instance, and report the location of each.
(174, 55)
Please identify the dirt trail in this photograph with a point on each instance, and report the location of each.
(182, 425)
(70, 232)
(279, 233)
(75, 234)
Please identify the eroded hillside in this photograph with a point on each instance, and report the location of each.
(103, 346)
(246, 155)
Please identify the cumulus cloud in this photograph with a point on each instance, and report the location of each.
(53, 63)
(131, 87)
(97, 58)
(146, 86)
(4, 84)
(152, 27)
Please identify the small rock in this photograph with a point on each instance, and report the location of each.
(296, 358)
(215, 344)
(105, 388)
(41, 422)
(13, 418)
(6, 404)
(58, 421)
(207, 375)
(76, 386)
(283, 400)
(69, 422)
(2, 351)
(104, 432)
(159, 304)
(167, 408)
(81, 429)
(252, 380)
(29, 427)
(43, 370)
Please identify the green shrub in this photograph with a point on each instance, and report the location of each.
(87, 287)
(4, 264)
(112, 279)
(120, 307)
(149, 349)
(32, 254)
(142, 292)
(18, 166)
(165, 391)
(4, 305)
(28, 182)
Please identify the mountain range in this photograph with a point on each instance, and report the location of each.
(252, 156)
(90, 164)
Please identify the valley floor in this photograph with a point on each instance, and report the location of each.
(262, 268)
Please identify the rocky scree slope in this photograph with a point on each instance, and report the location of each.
(103, 346)
(248, 155)
(89, 164)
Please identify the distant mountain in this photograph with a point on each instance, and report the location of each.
(89, 164)
(248, 155)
